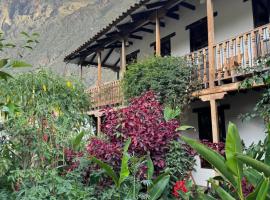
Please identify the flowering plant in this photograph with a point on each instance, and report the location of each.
(182, 189)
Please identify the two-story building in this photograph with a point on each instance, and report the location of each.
(217, 36)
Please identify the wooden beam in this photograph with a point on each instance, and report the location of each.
(155, 5)
(137, 37)
(107, 56)
(147, 30)
(141, 15)
(173, 15)
(117, 62)
(98, 125)
(99, 69)
(127, 29)
(188, 5)
(161, 24)
(93, 58)
(158, 44)
(164, 39)
(211, 41)
(123, 59)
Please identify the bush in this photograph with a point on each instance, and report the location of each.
(143, 122)
(180, 162)
(169, 77)
(44, 112)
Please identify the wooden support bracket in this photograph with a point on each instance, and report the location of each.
(210, 97)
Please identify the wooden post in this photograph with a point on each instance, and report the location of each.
(211, 40)
(158, 45)
(211, 58)
(99, 68)
(123, 59)
(98, 125)
(214, 119)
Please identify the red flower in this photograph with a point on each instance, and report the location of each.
(45, 138)
(179, 186)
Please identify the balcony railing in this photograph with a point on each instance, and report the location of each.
(242, 50)
(107, 94)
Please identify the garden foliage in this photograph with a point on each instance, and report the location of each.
(47, 113)
(169, 77)
(143, 122)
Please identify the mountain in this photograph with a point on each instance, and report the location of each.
(63, 26)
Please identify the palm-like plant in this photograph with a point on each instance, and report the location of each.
(232, 169)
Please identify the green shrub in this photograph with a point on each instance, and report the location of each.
(180, 162)
(169, 77)
(44, 113)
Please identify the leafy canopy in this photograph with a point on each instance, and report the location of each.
(169, 77)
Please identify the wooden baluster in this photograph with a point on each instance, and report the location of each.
(239, 54)
(197, 64)
(225, 55)
(246, 50)
(233, 58)
(254, 52)
(219, 76)
(261, 37)
(204, 68)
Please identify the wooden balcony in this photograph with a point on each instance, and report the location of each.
(240, 51)
(107, 94)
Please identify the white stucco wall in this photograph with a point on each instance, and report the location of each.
(234, 17)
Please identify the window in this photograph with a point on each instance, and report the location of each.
(198, 36)
(132, 57)
(165, 45)
(261, 12)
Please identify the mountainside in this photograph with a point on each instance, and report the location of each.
(63, 26)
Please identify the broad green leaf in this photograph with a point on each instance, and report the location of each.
(170, 113)
(77, 140)
(158, 188)
(124, 171)
(3, 62)
(221, 192)
(233, 145)
(127, 144)
(267, 153)
(254, 194)
(184, 128)
(253, 176)
(18, 64)
(260, 166)
(4, 75)
(212, 157)
(150, 168)
(262, 194)
(108, 169)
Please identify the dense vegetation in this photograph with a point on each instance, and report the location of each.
(169, 77)
(47, 149)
